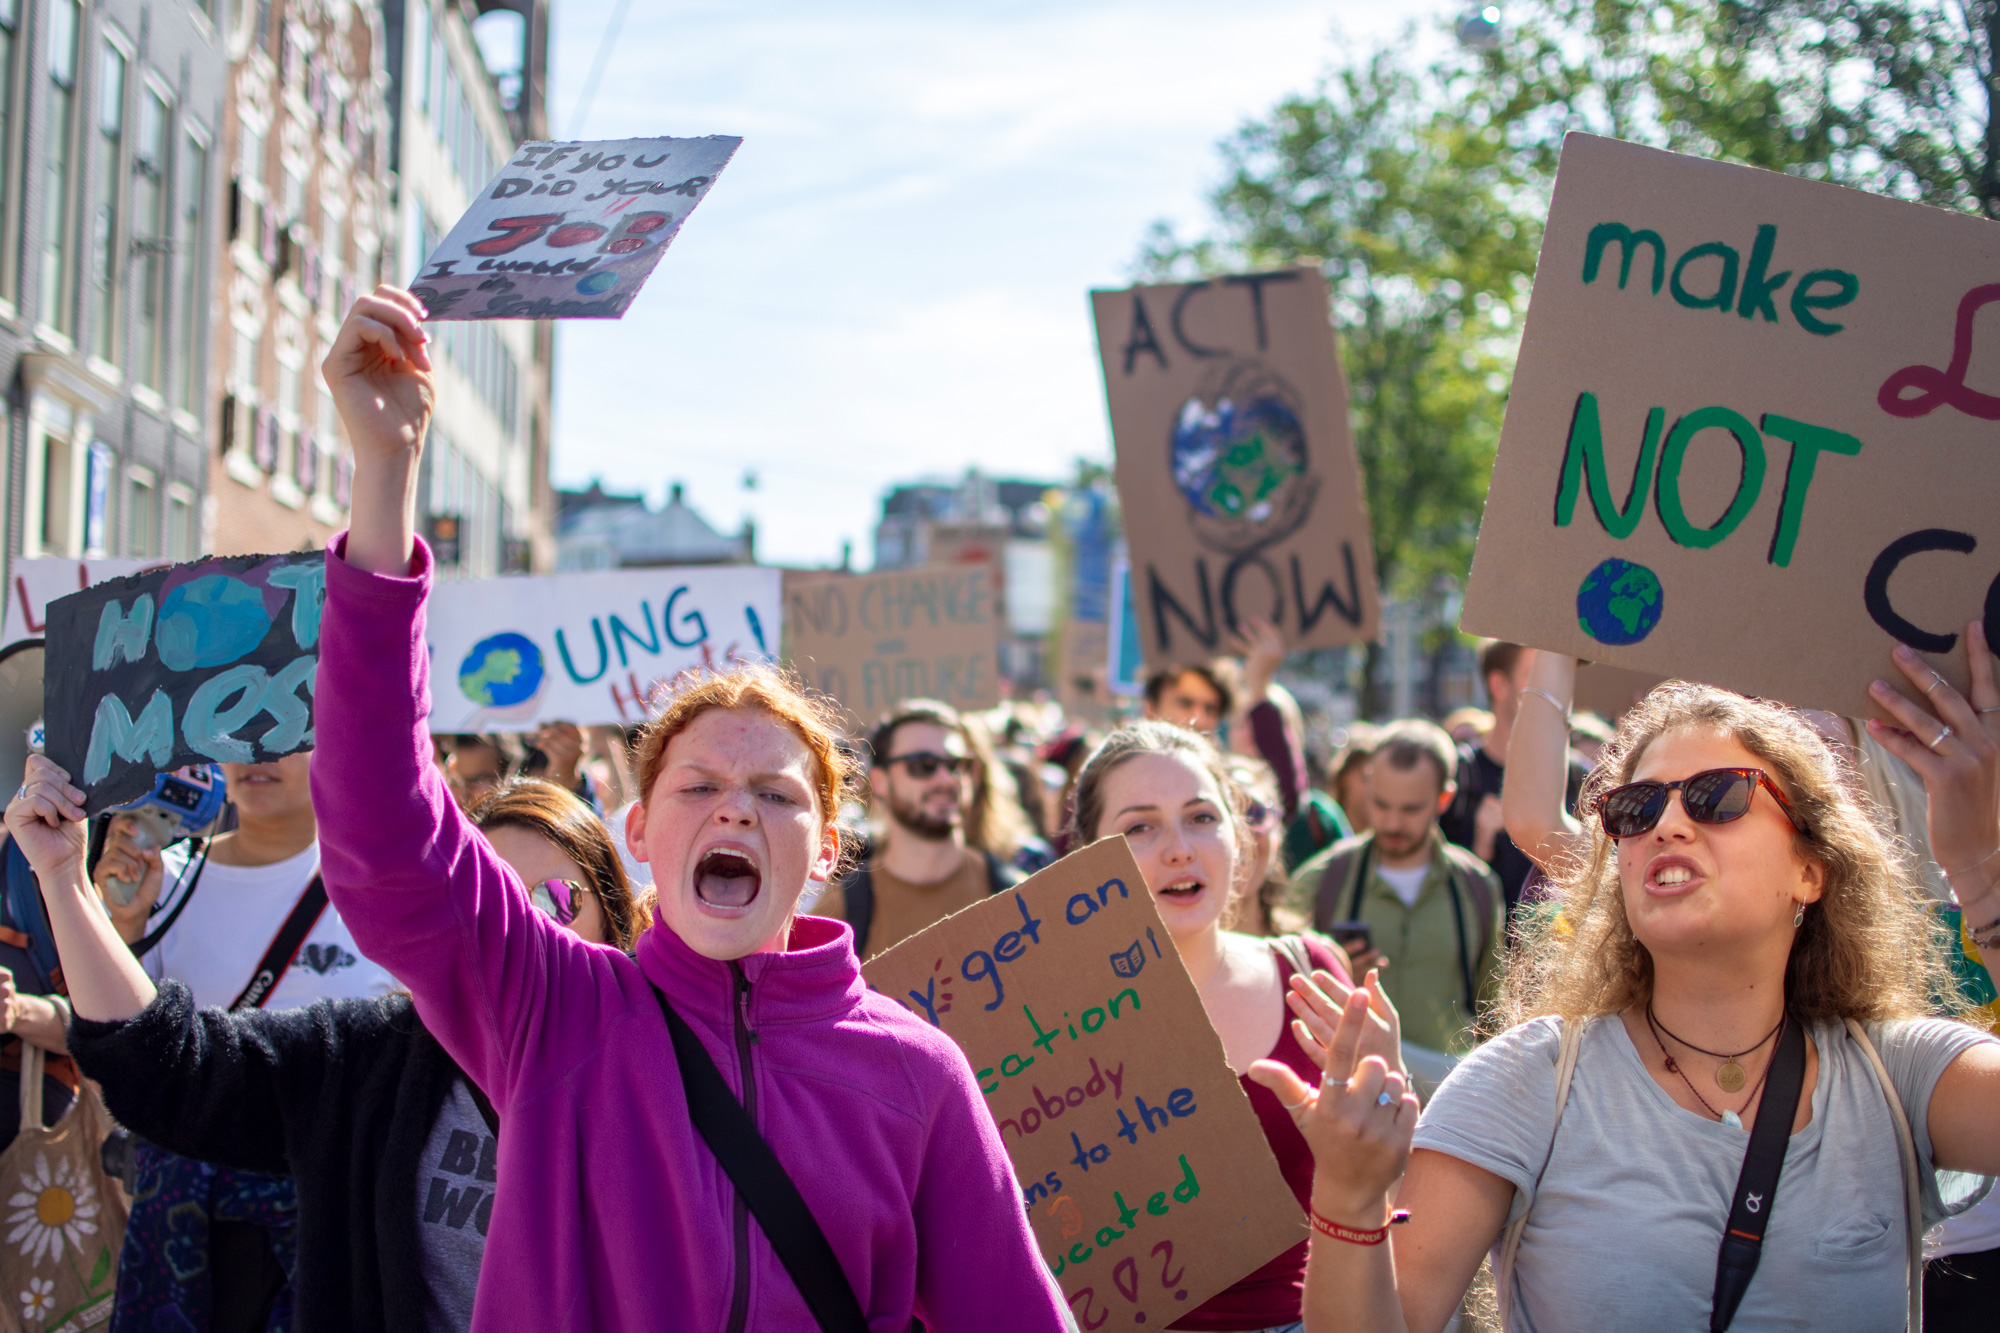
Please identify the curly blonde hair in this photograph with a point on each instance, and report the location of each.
(1869, 949)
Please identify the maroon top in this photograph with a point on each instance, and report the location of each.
(1272, 1295)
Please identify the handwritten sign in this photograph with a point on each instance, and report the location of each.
(508, 654)
(1145, 1172)
(569, 230)
(1237, 475)
(1743, 444)
(214, 660)
(873, 640)
(34, 583)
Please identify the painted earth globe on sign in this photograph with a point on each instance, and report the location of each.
(501, 671)
(1619, 602)
(210, 621)
(1239, 459)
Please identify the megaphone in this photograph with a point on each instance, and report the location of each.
(20, 707)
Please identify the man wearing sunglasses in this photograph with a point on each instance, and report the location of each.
(925, 780)
(1431, 907)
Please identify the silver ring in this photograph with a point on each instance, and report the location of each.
(1937, 679)
(1941, 737)
(1984, 711)
(22, 794)
(1384, 1099)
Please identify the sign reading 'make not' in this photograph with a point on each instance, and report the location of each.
(1750, 439)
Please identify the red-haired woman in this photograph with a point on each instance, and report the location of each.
(612, 1211)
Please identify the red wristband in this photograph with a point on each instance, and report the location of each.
(1354, 1237)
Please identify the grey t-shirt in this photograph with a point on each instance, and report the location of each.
(455, 1179)
(1629, 1214)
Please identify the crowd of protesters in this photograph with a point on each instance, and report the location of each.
(435, 1033)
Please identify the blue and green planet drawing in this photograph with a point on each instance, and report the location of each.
(1619, 602)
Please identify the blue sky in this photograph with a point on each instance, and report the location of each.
(890, 278)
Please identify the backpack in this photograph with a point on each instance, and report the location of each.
(859, 891)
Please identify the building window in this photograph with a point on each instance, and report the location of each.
(59, 166)
(110, 199)
(189, 300)
(55, 497)
(142, 514)
(181, 536)
(9, 35)
(98, 466)
(154, 241)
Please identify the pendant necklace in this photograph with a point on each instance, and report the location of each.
(1726, 1116)
(1730, 1076)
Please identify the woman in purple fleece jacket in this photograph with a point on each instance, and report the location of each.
(612, 1212)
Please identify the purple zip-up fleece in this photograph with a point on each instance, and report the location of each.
(611, 1211)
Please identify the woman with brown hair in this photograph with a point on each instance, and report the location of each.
(1168, 792)
(1724, 1091)
(391, 1145)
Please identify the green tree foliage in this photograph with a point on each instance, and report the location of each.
(1427, 232)
(1421, 189)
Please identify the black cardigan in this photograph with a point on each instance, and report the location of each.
(340, 1095)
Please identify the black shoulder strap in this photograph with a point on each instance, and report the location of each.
(857, 893)
(761, 1180)
(1332, 879)
(1360, 880)
(1757, 1186)
(277, 959)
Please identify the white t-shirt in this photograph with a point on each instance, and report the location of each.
(1407, 883)
(234, 915)
(1628, 1213)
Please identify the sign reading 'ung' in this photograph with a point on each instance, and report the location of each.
(1236, 472)
(1146, 1174)
(214, 660)
(1744, 443)
(569, 230)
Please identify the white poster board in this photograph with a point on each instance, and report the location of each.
(509, 654)
(33, 584)
(569, 230)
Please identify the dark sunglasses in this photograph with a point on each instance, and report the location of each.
(1715, 796)
(562, 899)
(1258, 815)
(922, 764)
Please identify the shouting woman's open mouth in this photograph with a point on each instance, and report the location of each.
(726, 878)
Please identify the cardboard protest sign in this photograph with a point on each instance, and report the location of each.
(214, 660)
(1608, 691)
(569, 230)
(1236, 472)
(873, 640)
(1146, 1174)
(1742, 444)
(34, 583)
(509, 654)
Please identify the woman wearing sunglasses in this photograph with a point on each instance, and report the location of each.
(1169, 793)
(391, 1145)
(1738, 935)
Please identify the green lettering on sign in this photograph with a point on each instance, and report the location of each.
(1584, 462)
(1807, 442)
(1672, 517)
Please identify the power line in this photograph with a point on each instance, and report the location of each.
(597, 65)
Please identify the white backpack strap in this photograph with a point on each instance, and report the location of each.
(1913, 1202)
(1510, 1245)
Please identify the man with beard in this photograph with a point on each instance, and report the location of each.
(1430, 906)
(926, 778)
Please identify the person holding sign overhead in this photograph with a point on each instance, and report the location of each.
(735, 1067)
(1165, 789)
(1725, 1093)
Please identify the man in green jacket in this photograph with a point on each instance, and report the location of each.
(1430, 906)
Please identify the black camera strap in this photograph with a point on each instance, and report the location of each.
(1757, 1185)
(285, 945)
